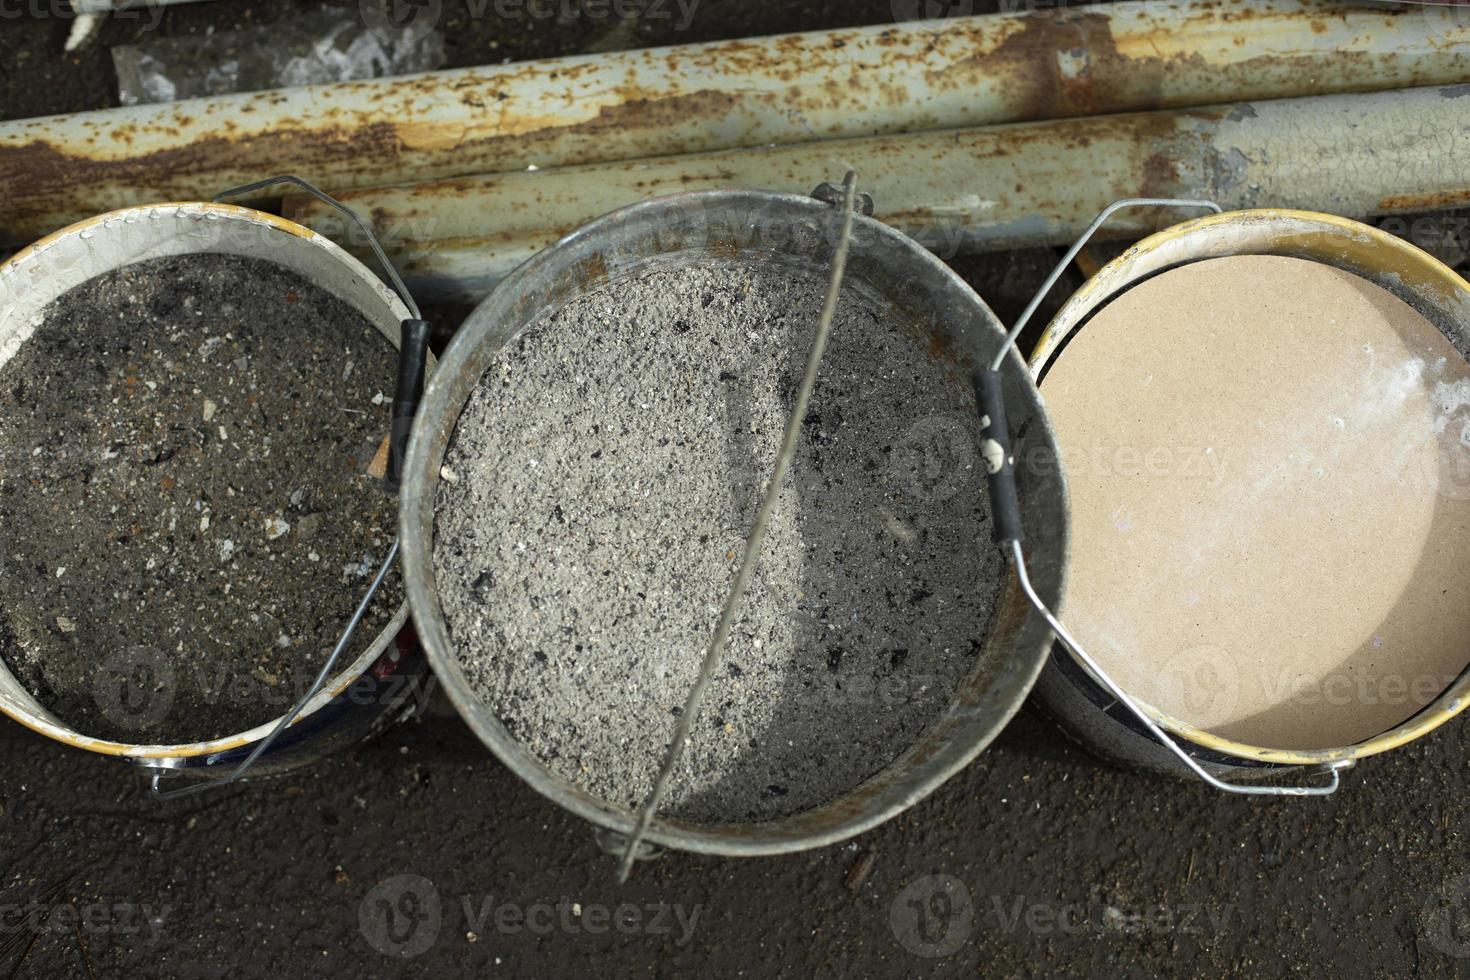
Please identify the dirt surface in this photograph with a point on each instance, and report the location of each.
(194, 433)
(1054, 866)
(606, 474)
(1037, 861)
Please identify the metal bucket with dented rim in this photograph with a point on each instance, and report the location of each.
(694, 228)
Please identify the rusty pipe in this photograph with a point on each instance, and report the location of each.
(795, 88)
(981, 189)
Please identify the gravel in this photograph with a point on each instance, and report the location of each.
(192, 434)
(597, 495)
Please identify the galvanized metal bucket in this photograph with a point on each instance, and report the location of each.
(757, 226)
(387, 670)
(1067, 689)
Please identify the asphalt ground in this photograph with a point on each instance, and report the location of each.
(418, 855)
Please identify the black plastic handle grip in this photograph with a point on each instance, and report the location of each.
(997, 458)
(413, 353)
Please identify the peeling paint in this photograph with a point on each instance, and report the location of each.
(978, 189)
(964, 72)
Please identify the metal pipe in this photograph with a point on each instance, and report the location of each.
(981, 189)
(958, 72)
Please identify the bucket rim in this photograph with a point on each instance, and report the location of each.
(420, 477)
(1406, 270)
(144, 753)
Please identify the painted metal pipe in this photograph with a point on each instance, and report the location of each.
(958, 72)
(980, 189)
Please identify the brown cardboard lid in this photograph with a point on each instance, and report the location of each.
(1267, 460)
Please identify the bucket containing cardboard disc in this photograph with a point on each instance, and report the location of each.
(191, 396)
(586, 468)
(1264, 418)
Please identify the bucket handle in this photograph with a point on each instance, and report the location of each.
(412, 357)
(849, 203)
(995, 450)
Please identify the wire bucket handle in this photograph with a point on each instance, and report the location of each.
(412, 357)
(999, 463)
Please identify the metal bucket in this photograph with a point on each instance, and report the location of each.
(1067, 689)
(757, 226)
(380, 682)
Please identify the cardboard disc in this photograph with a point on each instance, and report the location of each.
(1269, 466)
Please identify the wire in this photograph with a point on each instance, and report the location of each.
(1018, 559)
(356, 219)
(300, 706)
(1077, 246)
(757, 534)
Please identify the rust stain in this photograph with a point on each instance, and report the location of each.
(1032, 58)
(1160, 174)
(591, 273)
(1424, 202)
(1054, 63)
(354, 153)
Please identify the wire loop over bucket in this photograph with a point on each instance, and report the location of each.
(1008, 536)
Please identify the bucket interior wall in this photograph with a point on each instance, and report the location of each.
(34, 277)
(715, 227)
